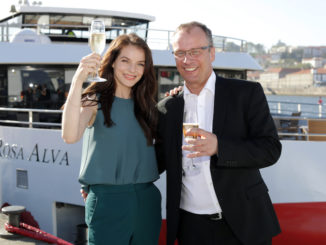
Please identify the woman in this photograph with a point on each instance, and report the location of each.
(117, 120)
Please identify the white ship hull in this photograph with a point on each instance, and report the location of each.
(296, 183)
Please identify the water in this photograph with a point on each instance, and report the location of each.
(308, 105)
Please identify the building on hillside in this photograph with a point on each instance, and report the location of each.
(272, 76)
(300, 79)
(275, 58)
(315, 62)
(278, 49)
(253, 75)
(314, 51)
(320, 77)
(279, 78)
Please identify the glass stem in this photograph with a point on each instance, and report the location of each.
(97, 71)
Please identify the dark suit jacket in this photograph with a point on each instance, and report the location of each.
(247, 141)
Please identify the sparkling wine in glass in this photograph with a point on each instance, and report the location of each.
(190, 120)
(96, 42)
(187, 126)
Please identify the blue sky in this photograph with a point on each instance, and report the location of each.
(295, 22)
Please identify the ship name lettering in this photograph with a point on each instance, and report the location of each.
(11, 151)
(38, 154)
(47, 158)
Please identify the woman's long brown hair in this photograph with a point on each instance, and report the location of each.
(143, 92)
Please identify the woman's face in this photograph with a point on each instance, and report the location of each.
(128, 69)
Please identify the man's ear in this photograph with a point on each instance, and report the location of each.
(212, 53)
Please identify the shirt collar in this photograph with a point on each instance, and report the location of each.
(209, 85)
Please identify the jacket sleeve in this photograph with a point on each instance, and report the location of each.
(159, 142)
(260, 147)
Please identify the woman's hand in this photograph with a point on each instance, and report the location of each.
(87, 66)
(83, 194)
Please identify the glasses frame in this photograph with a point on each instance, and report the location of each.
(190, 52)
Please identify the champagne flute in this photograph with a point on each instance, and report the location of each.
(190, 120)
(96, 42)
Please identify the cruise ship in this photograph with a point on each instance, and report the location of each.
(42, 46)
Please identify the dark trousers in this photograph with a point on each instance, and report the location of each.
(123, 214)
(197, 229)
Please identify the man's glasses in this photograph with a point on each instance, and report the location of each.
(193, 53)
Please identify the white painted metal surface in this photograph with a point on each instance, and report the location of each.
(71, 54)
(82, 11)
(52, 169)
(300, 174)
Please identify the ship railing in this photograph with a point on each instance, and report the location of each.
(156, 38)
(26, 117)
(306, 109)
(300, 128)
(289, 127)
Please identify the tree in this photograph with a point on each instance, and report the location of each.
(256, 48)
(279, 44)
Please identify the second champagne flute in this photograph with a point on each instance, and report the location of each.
(96, 42)
(190, 121)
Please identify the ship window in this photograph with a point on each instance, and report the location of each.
(3, 88)
(168, 78)
(125, 26)
(14, 28)
(63, 27)
(31, 19)
(140, 30)
(231, 74)
(36, 87)
(15, 21)
(22, 178)
(66, 20)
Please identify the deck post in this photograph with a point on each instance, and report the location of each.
(30, 118)
(14, 214)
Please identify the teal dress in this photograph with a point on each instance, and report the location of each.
(118, 169)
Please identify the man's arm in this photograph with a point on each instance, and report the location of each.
(261, 148)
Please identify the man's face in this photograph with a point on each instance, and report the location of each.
(197, 69)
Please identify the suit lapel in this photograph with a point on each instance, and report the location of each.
(220, 106)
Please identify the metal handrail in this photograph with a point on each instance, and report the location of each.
(164, 36)
(319, 109)
(30, 110)
(294, 103)
(30, 121)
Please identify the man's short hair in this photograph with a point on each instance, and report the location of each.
(190, 25)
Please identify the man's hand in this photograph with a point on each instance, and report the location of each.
(206, 143)
(174, 91)
(83, 194)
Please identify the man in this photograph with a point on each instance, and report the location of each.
(221, 198)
